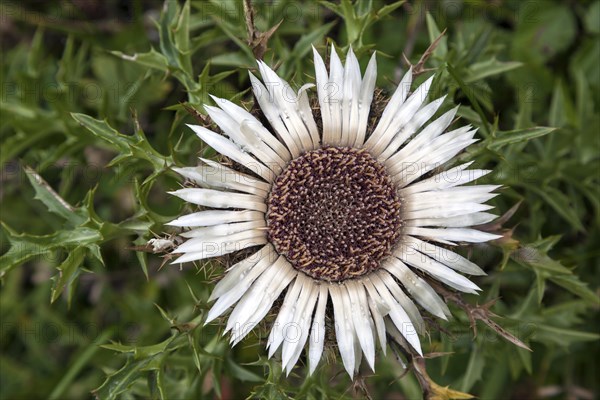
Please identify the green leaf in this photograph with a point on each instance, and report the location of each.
(166, 25)
(467, 92)
(561, 336)
(151, 59)
(156, 384)
(574, 285)
(81, 360)
(182, 30)
(434, 32)
(550, 31)
(34, 57)
(136, 146)
(119, 381)
(473, 370)
(333, 7)
(504, 138)
(535, 256)
(142, 256)
(560, 203)
(561, 108)
(389, 8)
(140, 352)
(118, 347)
(19, 110)
(67, 272)
(478, 44)
(352, 21)
(230, 31)
(233, 59)
(166, 316)
(592, 18)
(141, 359)
(21, 250)
(303, 46)
(181, 42)
(105, 132)
(525, 357)
(195, 353)
(491, 67)
(24, 247)
(242, 373)
(540, 284)
(539, 260)
(52, 200)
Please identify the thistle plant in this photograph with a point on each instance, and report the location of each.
(300, 200)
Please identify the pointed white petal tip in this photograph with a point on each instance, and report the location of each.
(305, 87)
(178, 261)
(443, 316)
(209, 318)
(180, 171)
(197, 128)
(210, 108)
(215, 99)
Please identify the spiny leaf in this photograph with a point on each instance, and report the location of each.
(473, 369)
(135, 147)
(25, 247)
(574, 285)
(491, 67)
(504, 138)
(389, 8)
(105, 132)
(140, 352)
(535, 256)
(67, 272)
(562, 336)
(242, 373)
(151, 59)
(469, 93)
(119, 381)
(560, 203)
(436, 36)
(55, 203)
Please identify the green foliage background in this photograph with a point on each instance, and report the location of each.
(92, 115)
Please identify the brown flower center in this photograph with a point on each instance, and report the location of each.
(334, 213)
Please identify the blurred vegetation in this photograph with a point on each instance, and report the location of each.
(92, 114)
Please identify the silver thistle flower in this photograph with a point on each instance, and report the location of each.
(342, 211)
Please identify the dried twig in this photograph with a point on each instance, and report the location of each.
(256, 39)
(507, 242)
(478, 312)
(419, 67)
(202, 119)
(496, 225)
(249, 17)
(359, 387)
